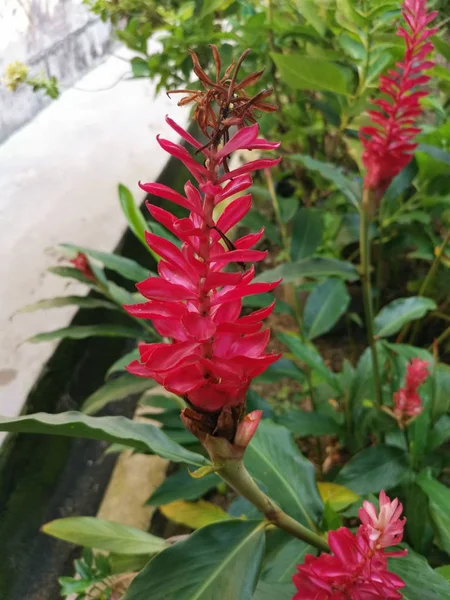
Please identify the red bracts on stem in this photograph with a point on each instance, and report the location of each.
(357, 567)
(214, 352)
(389, 141)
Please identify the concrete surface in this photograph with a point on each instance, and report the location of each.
(56, 37)
(58, 182)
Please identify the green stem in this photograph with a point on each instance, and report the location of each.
(364, 245)
(427, 282)
(236, 475)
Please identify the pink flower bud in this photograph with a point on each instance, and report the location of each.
(247, 428)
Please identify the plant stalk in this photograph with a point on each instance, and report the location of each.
(236, 475)
(426, 284)
(364, 245)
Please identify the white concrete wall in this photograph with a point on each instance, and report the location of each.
(58, 182)
(54, 37)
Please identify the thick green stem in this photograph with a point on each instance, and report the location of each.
(236, 475)
(364, 245)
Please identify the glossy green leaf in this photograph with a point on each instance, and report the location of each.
(394, 315)
(440, 432)
(303, 423)
(325, 306)
(333, 173)
(314, 267)
(307, 232)
(126, 267)
(274, 591)
(439, 506)
(193, 514)
(221, 560)
(141, 436)
(441, 401)
(260, 300)
(80, 301)
(109, 536)
(280, 369)
(288, 477)
(374, 469)
(122, 362)
(115, 390)
(422, 582)
(420, 532)
(71, 273)
(80, 332)
(134, 217)
(281, 565)
(301, 72)
(182, 486)
(308, 355)
(310, 11)
(444, 571)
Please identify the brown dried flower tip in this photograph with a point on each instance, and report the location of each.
(224, 102)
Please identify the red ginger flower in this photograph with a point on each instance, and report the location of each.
(214, 352)
(389, 142)
(407, 402)
(81, 263)
(357, 568)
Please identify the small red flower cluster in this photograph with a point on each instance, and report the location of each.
(214, 352)
(357, 567)
(389, 142)
(81, 263)
(407, 402)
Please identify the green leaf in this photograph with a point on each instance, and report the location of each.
(441, 46)
(139, 67)
(347, 9)
(420, 531)
(444, 571)
(134, 217)
(221, 560)
(441, 401)
(126, 267)
(422, 582)
(71, 273)
(194, 514)
(338, 497)
(309, 11)
(80, 332)
(308, 355)
(307, 232)
(314, 267)
(122, 362)
(270, 590)
(394, 315)
(80, 301)
(209, 6)
(115, 390)
(303, 423)
(333, 173)
(260, 300)
(374, 469)
(281, 565)
(283, 367)
(181, 485)
(103, 535)
(325, 305)
(288, 477)
(141, 436)
(301, 72)
(439, 506)
(440, 432)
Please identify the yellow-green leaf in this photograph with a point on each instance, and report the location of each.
(337, 496)
(193, 514)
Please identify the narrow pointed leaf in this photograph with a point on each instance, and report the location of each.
(80, 332)
(115, 390)
(80, 301)
(109, 536)
(134, 217)
(142, 436)
(314, 267)
(393, 316)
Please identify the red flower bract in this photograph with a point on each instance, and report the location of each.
(389, 141)
(81, 263)
(357, 568)
(195, 302)
(407, 402)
